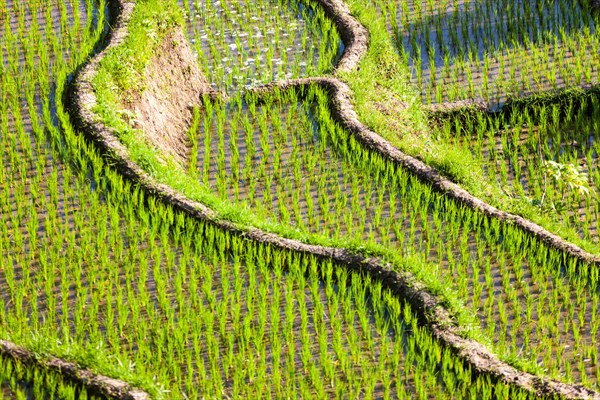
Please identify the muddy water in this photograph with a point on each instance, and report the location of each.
(495, 49)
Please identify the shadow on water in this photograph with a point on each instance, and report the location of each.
(474, 29)
(442, 35)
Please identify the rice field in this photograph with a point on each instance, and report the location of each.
(493, 50)
(544, 155)
(96, 270)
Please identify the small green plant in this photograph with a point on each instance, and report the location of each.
(566, 176)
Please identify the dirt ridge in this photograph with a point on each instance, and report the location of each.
(94, 383)
(403, 284)
(353, 34)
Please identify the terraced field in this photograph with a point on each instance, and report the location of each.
(285, 255)
(318, 181)
(494, 50)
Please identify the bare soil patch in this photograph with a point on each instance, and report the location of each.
(174, 85)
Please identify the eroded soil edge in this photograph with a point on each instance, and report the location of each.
(163, 109)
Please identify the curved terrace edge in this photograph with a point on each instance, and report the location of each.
(94, 383)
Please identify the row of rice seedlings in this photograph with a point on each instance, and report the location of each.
(30, 26)
(241, 43)
(31, 176)
(493, 50)
(18, 381)
(288, 161)
(113, 272)
(542, 154)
